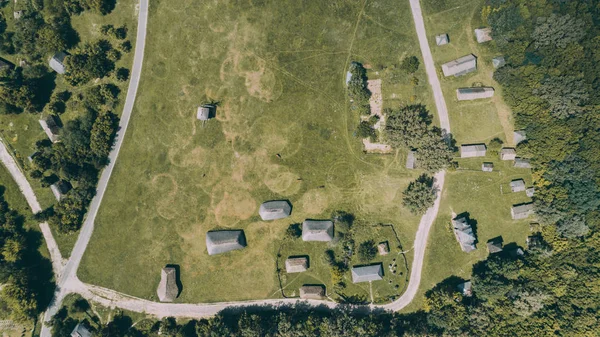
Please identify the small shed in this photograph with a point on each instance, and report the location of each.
(498, 61)
(487, 167)
(494, 245)
(442, 39)
(205, 112)
(383, 248)
(57, 62)
(530, 192)
(469, 94)
(483, 34)
(275, 209)
(460, 66)
(517, 185)
(60, 188)
(218, 242)
(18, 14)
(296, 264)
(465, 288)
(464, 234)
(508, 153)
(81, 330)
(317, 230)
(519, 136)
(522, 163)
(168, 290)
(472, 150)
(521, 211)
(411, 160)
(312, 292)
(50, 125)
(373, 272)
(534, 241)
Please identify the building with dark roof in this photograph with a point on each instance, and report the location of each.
(464, 234)
(494, 245)
(469, 94)
(312, 292)
(218, 242)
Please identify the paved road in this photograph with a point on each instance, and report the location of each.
(70, 270)
(70, 283)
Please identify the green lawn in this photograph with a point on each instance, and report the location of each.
(277, 71)
(485, 196)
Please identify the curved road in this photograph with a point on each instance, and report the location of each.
(68, 282)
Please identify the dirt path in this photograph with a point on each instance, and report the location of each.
(15, 171)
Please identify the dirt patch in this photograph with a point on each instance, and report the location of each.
(314, 201)
(235, 206)
(376, 147)
(376, 100)
(181, 157)
(280, 180)
(167, 187)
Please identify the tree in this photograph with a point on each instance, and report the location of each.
(365, 130)
(410, 64)
(558, 31)
(434, 153)
(565, 95)
(367, 251)
(406, 126)
(102, 134)
(357, 88)
(294, 231)
(19, 299)
(419, 195)
(122, 74)
(88, 62)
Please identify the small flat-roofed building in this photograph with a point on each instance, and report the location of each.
(464, 234)
(469, 94)
(472, 150)
(383, 248)
(205, 112)
(442, 39)
(494, 245)
(57, 62)
(18, 14)
(530, 192)
(275, 209)
(498, 61)
(312, 292)
(521, 211)
(50, 127)
(508, 153)
(168, 290)
(296, 264)
(81, 331)
(465, 288)
(60, 188)
(517, 185)
(522, 163)
(218, 242)
(317, 230)
(460, 66)
(519, 136)
(373, 272)
(411, 160)
(487, 167)
(483, 35)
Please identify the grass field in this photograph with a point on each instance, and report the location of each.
(485, 196)
(277, 71)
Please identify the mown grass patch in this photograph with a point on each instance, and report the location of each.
(282, 131)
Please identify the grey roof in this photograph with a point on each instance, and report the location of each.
(203, 113)
(464, 234)
(373, 272)
(519, 136)
(317, 230)
(517, 185)
(494, 246)
(60, 188)
(56, 62)
(218, 242)
(81, 331)
(18, 14)
(466, 288)
(275, 209)
(167, 288)
(472, 150)
(487, 167)
(50, 127)
(467, 94)
(411, 160)
(296, 264)
(522, 163)
(498, 61)
(460, 66)
(441, 39)
(314, 292)
(521, 211)
(508, 153)
(483, 35)
(530, 191)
